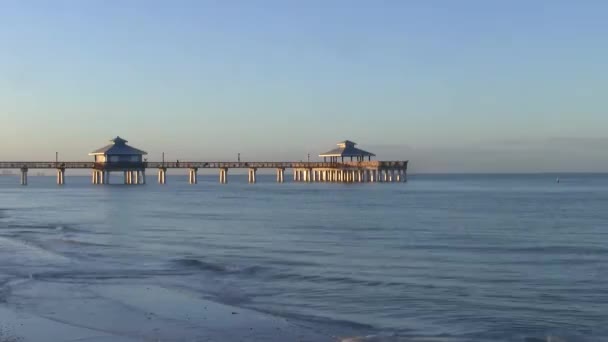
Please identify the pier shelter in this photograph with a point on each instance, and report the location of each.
(119, 157)
(347, 149)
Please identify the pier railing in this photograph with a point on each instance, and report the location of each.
(204, 165)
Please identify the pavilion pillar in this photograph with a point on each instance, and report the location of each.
(135, 177)
(60, 176)
(143, 176)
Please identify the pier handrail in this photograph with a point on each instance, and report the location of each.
(201, 165)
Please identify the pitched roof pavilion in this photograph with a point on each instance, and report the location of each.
(347, 148)
(118, 147)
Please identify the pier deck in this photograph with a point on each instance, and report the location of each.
(205, 165)
(134, 173)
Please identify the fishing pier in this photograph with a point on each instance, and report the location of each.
(128, 162)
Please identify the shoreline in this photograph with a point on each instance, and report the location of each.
(41, 311)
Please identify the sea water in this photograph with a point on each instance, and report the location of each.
(453, 257)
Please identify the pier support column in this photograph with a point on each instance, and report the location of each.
(96, 179)
(135, 177)
(224, 175)
(280, 175)
(143, 176)
(193, 176)
(24, 176)
(162, 175)
(252, 175)
(60, 176)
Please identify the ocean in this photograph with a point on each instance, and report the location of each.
(439, 258)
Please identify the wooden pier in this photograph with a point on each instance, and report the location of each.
(346, 172)
(121, 158)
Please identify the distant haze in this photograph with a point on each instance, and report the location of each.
(453, 86)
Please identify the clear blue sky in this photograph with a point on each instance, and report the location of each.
(451, 85)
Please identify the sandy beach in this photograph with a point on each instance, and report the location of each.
(40, 311)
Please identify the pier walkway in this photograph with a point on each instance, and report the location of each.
(119, 157)
(344, 172)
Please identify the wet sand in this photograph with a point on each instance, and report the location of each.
(46, 311)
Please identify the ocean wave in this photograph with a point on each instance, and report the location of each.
(195, 263)
(78, 275)
(215, 267)
(25, 252)
(402, 338)
(43, 226)
(395, 338)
